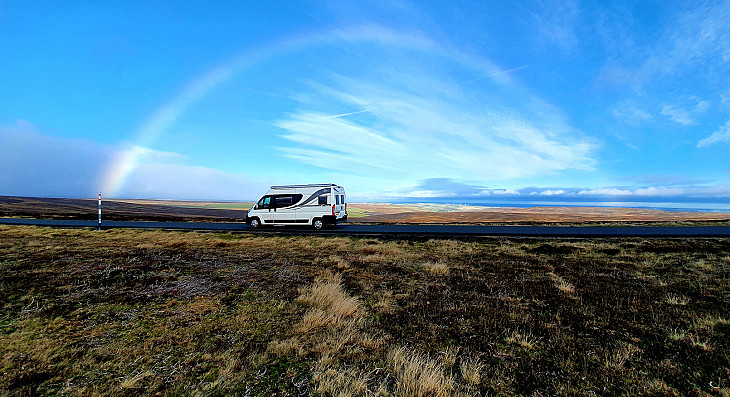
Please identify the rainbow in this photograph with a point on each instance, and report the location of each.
(123, 165)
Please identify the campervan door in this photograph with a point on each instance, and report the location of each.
(340, 208)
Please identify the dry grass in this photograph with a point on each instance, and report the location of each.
(450, 355)
(676, 300)
(620, 356)
(385, 302)
(658, 387)
(565, 287)
(700, 342)
(418, 375)
(328, 295)
(134, 380)
(709, 322)
(332, 330)
(438, 268)
(562, 285)
(171, 313)
(522, 338)
(471, 371)
(677, 334)
(340, 382)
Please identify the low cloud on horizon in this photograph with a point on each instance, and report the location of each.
(34, 164)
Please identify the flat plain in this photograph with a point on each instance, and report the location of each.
(145, 312)
(200, 211)
(132, 312)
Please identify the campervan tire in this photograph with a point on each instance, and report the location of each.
(254, 223)
(317, 223)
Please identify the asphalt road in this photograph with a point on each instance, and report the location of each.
(432, 230)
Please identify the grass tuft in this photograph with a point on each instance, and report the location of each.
(620, 356)
(418, 375)
(329, 295)
(700, 342)
(438, 268)
(658, 387)
(471, 371)
(523, 339)
(676, 300)
(677, 334)
(562, 285)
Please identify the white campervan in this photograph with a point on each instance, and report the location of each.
(316, 205)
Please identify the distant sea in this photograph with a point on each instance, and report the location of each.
(691, 205)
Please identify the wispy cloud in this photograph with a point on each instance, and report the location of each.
(413, 133)
(497, 74)
(687, 57)
(678, 115)
(725, 100)
(694, 40)
(721, 135)
(556, 22)
(700, 33)
(336, 116)
(631, 114)
(683, 115)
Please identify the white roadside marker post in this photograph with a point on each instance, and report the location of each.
(99, 211)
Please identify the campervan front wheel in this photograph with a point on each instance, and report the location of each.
(317, 223)
(254, 223)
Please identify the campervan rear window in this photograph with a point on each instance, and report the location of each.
(337, 199)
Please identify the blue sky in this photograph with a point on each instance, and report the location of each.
(576, 100)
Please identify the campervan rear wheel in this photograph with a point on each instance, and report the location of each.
(254, 223)
(318, 224)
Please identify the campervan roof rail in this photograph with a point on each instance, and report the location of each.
(301, 186)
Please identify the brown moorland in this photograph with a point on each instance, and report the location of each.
(200, 211)
(122, 210)
(414, 214)
(133, 312)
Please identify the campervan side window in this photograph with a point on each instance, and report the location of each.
(286, 201)
(283, 201)
(322, 200)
